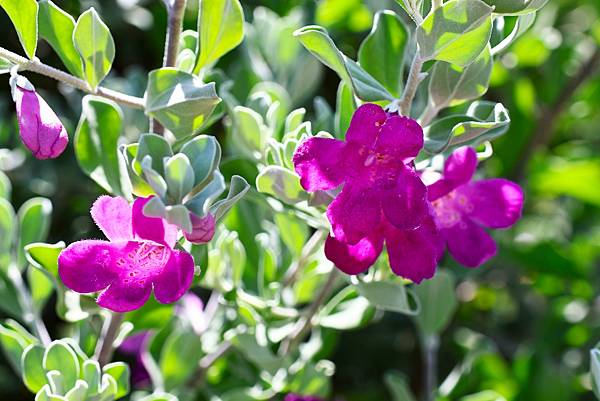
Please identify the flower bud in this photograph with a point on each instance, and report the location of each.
(39, 127)
(203, 229)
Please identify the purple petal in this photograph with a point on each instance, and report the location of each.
(366, 124)
(468, 243)
(39, 127)
(405, 205)
(84, 266)
(414, 254)
(355, 213)
(400, 137)
(175, 279)
(354, 259)
(319, 163)
(125, 297)
(460, 165)
(497, 203)
(113, 216)
(203, 229)
(152, 228)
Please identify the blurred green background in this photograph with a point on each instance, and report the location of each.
(527, 319)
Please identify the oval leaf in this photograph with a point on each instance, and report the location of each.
(24, 14)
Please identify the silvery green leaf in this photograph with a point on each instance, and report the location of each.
(33, 373)
(78, 392)
(179, 100)
(237, 189)
(95, 45)
(60, 357)
(204, 153)
(438, 303)
(252, 131)
(522, 25)
(154, 179)
(8, 225)
(388, 296)
(200, 202)
(179, 176)
(281, 183)
(120, 372)
(34, 224)
(456, 33)
(157, 148)
(24, 16)
(516, 7)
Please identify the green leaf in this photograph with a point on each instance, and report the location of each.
(134, 169)
(316, 40)
(484, 121)
(95, 45)
(398, 386)
(24, 14)
(487, 395)
(79, 392)
(451, 84)
(221, 29)
(34, 375)
(120, 372)
(5, 66)
(179, 358)
(60, 357)
(346, 310)
(256, 353)
(153, 178)
(293, 231)
(180, 101)
(252, 131)
(5, 187)
(44, 257)
(456, 33)
(381, 54)
(237, 189)
(41, 288)
(438, 303)
(388, 296)
(96, 145)
(281, 183)
(155, 146)
(34, 223)
(204, 152)
(92, 374)
(159, 397)
(345, 107)
(13, 345)
(179, 176)
(7, 226)
(516, 7)
(56, 27)
(595, 371)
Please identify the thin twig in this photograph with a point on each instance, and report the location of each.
(105, 345)
(429, 114)
(61, 76)
(30, 315)
(415, 77)
(207, 361)
(430, 345)
(306, 322)
(176, 10)
(545, 123)
(309, 249)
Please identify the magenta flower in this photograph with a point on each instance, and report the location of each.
(40, 129)
(135, 346)
(139, 258)
(382, 197)
(463, 208)
(203, 229)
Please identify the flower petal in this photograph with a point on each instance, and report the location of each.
(152, 228)
(355, 213)
(365, 124)
(354, 259)
(460, 165)
(319, 163)
(113, 216)
(400, 137)
(84, 266)
(405, 205)
(175, 278)
(468, 243)
(125, 297)
(497, 203)
(203, 229)
(414, 254)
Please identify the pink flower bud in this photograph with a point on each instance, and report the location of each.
(203, 229)
(40, 129)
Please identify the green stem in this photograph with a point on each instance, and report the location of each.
(307, 251)
(105, 346)
(415, 77)
(429, 346)
(61, 76)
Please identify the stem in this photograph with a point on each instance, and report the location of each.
(412, 84)
(207, 361)
(43, 69)
(105, 348)
(436, 3)
(428, 115)
(430, 345)
(31, 316)
(306, 323)
(176, 10)
(309, 249)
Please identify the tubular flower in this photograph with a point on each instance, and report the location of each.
(138, 258)
(203, 229)
(464, 207)
(40, 129)
(382, 198)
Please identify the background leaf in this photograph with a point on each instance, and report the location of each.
(24, 14)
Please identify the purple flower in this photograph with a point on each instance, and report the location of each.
(40, 129)
(382, 197)
(139, 258)
(203, 229)
(462, 208)
(135, 346)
